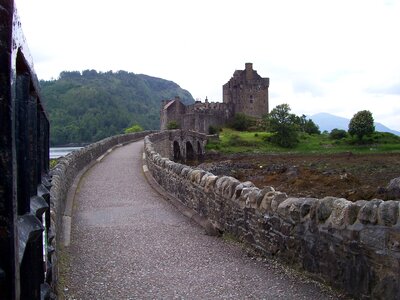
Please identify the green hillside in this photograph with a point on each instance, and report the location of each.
(89, 106)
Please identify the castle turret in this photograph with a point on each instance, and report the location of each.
(247, 92)
(249, 71)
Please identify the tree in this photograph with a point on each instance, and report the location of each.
(100, 104)
(284, 125)
(307, 126)
(311, 128)
(361, 124)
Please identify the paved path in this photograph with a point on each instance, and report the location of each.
(127, 242)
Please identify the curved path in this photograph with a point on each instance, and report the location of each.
(127, 242)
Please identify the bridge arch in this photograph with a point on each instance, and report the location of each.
(186, 145)
(190, 153)
(200, 151)
(176, 151)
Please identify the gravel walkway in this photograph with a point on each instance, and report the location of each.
(127, 242)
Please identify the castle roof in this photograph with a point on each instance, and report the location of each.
(168, 104)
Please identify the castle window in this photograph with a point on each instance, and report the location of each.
(251, 98)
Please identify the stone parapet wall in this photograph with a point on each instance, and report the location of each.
(63, 175)
(353, 246)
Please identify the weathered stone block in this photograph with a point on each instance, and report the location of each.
(197, 175)
(243, 199)
(374, 238)
(325, 208)
(204, 179)
(344, 212)
(219, 184)
(228, 187)
(393, 188)
(369, 212)
(185, 171)
(240, 187)
(263, 193)
(308, 208)
(209, 184)
(277, 199)
(289, 208)
(394, 241)
(388, 213)
(254, 198)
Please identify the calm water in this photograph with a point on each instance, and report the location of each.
(56, 152)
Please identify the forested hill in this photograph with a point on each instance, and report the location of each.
(89, 106)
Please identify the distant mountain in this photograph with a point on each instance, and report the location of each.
(327, 122)
(89, 106)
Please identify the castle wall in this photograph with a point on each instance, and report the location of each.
(173, 110)
(200, 116)
(351, 245)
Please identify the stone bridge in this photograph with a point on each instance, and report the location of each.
(180, 145)
(107, 233)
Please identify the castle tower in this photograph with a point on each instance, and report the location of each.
(247, 92)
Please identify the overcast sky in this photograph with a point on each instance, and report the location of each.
(321, 56)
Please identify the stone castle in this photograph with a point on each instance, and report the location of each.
(246, 92)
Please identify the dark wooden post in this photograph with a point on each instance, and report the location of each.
(9, 273)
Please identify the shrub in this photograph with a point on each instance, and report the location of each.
(133, 128)
(172, 125)
(337, 134)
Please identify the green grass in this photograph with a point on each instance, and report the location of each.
(231, 141)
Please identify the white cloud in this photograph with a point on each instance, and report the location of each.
(319, 55)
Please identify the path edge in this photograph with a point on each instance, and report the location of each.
(189, 213)
(73, 190)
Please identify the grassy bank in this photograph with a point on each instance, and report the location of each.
(231, 141)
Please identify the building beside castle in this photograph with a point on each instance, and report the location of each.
(246, 92)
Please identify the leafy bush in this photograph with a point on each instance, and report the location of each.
(287, 140)
(134, 128)
(172, 125)
(337, 134)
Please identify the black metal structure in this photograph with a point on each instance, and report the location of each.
(25, 264)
